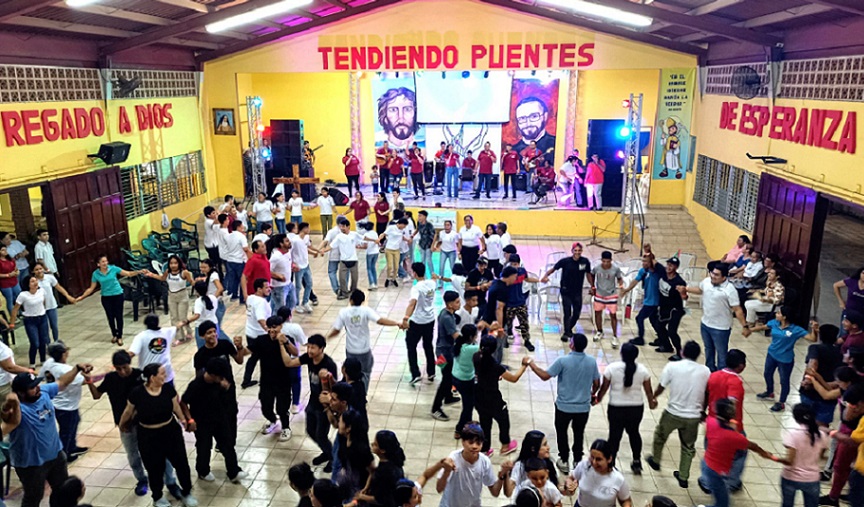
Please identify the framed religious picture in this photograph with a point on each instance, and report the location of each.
(224, 122)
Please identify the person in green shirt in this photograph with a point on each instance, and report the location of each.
(463, 373)
(106, 278)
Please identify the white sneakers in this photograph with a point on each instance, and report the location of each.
(209, 477)
(598, 336)
(295, 409)
(189, 501)
(307, 308)
(269, 427)
(162, 502)
(240, 475)
(614, 342)
(285, 435)
(373, 286)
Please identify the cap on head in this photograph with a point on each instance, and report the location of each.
(673, 260)
(24, 381)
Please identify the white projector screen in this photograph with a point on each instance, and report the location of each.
(450, 98)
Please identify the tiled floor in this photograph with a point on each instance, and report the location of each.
(395, 405)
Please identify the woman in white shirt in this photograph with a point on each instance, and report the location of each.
(280, 208)
(32, 302)
(263, 211)
(471, 243)
(598, 482)
(205, 309)
(494, 249)
(625, 381)
(177, 277)
(210, 275)
(48, 283)
(446, 243)
(296, 205)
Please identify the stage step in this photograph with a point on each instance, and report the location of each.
(671, 230)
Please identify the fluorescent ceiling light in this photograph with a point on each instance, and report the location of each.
(80, 3)
(601, 11)
(256, 15)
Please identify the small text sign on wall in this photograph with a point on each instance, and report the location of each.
(830, 129)
(34, 126)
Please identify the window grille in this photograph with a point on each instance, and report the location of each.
(728, 191)
(155, 185)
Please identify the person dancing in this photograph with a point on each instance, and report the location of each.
(105, 278)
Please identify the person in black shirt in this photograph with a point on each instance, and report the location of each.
(354, 452)
(322, 371)
(671, 309)
(214, 347)
(824, 358)
(117, 385)
(352, 373)
(153, 406)
(478, 282)
(382, 484)
(301, 478)
(573, 272)
(213, 403)
(276, 377)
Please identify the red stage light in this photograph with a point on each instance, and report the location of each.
(625, 103)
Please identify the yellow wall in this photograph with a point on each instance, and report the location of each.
(827, 171)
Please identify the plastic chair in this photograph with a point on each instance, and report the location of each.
(554, 257)
(631, 266)
(687, 260)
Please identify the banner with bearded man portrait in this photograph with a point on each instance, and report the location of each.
(396, 105)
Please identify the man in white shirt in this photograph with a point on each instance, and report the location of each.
(264, 235)
(345, 243)
(420, 321)
(9, 370)
(67, 402)
(257, 312)
(263, 211)
(281, 287)
(235, 253)
(17, 251)
(719, 303)
(355, 321)
(153, 345)
(325, 204)
(686, 381)
(333, 259)
(44, 251)
(300, 255)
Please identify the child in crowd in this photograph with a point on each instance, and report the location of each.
(466, 471)
(371, 241)
(456, 279)
(374, 178)
(534, 446)
(537, 471)
(295, 203)
(325, 205)
(804, 446)
(279, 217)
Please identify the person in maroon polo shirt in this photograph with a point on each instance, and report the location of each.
(352, 169)
(723, 443)
(727, 384)
(485, 160)
(853, 324)
(469, 162)
(509, 166)
(415, 158)
(258, 266)
(395, 167)
(451, 177)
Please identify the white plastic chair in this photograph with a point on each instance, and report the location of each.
(687, 260)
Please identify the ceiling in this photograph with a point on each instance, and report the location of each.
(114, 27)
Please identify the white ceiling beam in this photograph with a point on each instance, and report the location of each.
(716, 5)
(186, 4)
(60, 26)
(767, 19)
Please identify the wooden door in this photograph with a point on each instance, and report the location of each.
(86, 217)
(790, 220)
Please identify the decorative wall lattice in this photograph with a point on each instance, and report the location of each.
(719, 78)
(824, 79)
(158, 83)
(728, 191)
(26, 83)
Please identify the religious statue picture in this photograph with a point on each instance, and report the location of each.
(396, 105)
(223, 122)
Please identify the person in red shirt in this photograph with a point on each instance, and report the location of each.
(853, 322)
(415, 158)
(532, 158)
(440, 166)
(396, 164)
(451, 179)
(382, 213)
(509, 166)
(470, 163)
(361, 209)
(258, 266)
(726, 384)
(594, 177)
(723, 443)
(543, 181)
(352, 169)
(382, 160)
(485, 160)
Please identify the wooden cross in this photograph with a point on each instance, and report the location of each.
(296, 180)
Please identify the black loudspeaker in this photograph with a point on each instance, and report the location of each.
(520, 182)
(605, 140)
(428, 171)
(113, 153)
(338, 196)
(495, 178)
(286, 143)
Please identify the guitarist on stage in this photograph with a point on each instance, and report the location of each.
(308, 153)
(531, 159)
(382, 160)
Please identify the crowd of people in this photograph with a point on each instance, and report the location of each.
(464, 346)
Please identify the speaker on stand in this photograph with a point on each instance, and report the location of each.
(286, 141)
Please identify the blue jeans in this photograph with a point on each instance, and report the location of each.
(262, 224)
(220, 310)
(25, 272)
(810, 490)
(372, 267)
(280, 225)
(52, 322)
(466, 391)
(647, 312)
(856, 489)
(716, 345)
(483, 182)
(282, 296)
(304, 278)
(716, 483)
(67, 422)
(297, 219)
(232, 279)
(771, 365)
(451, 181)
(130, 445)
(333, 275)
(426, 259)
(444, 259)
(10, 295)
(37, 333)
(401, 272)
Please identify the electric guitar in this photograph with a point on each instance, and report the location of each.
(309, 154)
(531, 163)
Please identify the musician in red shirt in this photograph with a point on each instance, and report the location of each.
(509, 166)
(543, 181)
(382, 160)
(485, 160)
(396, 164)
(415, 158)
(469, 163)
(352, 169)
(451, 178)
(532, 158)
